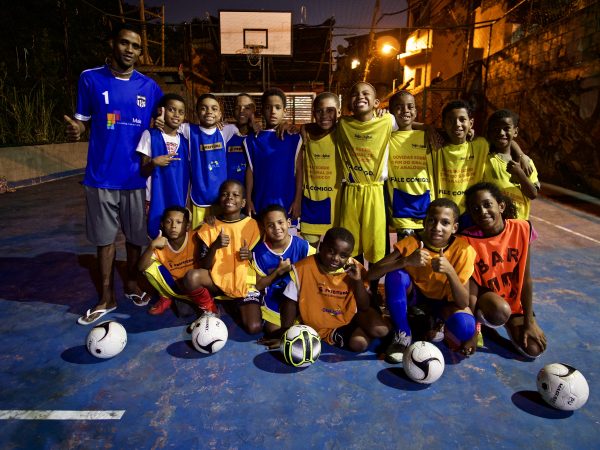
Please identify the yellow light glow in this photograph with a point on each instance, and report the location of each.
(386, 49)
(355, 63)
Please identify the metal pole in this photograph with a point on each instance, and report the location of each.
(162, 32)
(487, 68)
(425, 89)
(370, 50)
(146, 57)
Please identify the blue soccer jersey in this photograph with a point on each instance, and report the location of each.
(273, 165)
(208, 161)
(119, 111)
(170, 184)
(236, 159)
(266, 261)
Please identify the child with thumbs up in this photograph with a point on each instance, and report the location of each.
(272, 260)
(504, 171)
(169, 265)
(165, 158)
(224, 255)
(431, 271)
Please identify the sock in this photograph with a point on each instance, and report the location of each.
(203, 299)
(396, 285)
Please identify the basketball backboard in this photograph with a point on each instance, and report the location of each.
(245, 31)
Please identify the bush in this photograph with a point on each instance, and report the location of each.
(27, 116)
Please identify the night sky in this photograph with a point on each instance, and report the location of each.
(352, 17)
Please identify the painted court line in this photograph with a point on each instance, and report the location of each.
(568, 230)
(32, 414)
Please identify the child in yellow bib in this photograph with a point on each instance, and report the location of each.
(224, 255)
(328, 292)
(363, 141)
(461, 163)
(505, 172)
(169, 264)
(409, 183)
(322, 171)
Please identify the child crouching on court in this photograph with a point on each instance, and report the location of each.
(272, 260)
(224, 256)
(328, 292)
(501, 288)
(432, 268)
(168, 263)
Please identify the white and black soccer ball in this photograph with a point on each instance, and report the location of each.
(107, 339)
(209, 334)
(562, 386)
(423, 362)
(300, 345)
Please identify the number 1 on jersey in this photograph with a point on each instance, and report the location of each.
(105, 94)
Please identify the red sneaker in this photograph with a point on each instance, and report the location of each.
(160, 306)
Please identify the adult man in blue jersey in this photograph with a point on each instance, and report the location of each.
(118, 103)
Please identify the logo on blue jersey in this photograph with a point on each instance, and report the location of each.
(141, 101)
(111, 119)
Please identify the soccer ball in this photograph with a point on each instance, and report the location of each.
(423, 362)
(300, 345)
(209, 335)
(107, 339)
(562, 386)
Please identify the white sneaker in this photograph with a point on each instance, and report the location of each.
(395, 350)
(437, 334)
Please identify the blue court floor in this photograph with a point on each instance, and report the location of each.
(161, 393)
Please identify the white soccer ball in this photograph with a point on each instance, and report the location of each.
(107, 339)
(209, 335)
(300, 345)
(563, 386)
(423, 362)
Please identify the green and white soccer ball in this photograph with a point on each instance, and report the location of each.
(300, 345)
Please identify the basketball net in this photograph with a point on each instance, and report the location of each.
(253, 56)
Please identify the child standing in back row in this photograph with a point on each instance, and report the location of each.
(460, 163)
(208, 157)
(502, 170)
(274, 174)
(165, 157)
(322, 170)
(408, 184)
(363, 141)
(236, 154)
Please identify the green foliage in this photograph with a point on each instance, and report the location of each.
(44, 46)
(28, 117)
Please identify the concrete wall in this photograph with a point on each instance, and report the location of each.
(552, 80)
(499, 33)
(28, 165)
